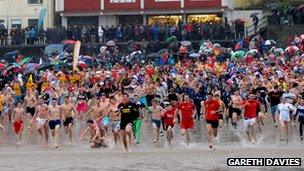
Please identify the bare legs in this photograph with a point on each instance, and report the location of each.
(126, 133)
(211, 132)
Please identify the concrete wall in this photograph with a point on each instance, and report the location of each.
(59, 5)
(20, 9)
(246, 3)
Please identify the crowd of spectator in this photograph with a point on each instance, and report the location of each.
(289, 15)
(94, 34)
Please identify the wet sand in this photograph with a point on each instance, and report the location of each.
(148, 156)
(84, 158)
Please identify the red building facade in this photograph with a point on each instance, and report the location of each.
(81, 6)
(113, 12)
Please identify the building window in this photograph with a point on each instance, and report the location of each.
(122, 1)
(35, 1)
(166, 0)
(16, 23)
(33, 23)
(2, 24)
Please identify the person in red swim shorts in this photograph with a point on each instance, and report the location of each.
(211, 108)
(17, 121)
(168, 119)
(186, 110)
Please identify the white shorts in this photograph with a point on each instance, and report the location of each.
(284, 116)
(41, 122)
(248, 122)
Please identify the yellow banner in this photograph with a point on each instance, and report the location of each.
(76, 55)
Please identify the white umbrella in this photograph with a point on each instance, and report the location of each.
(252, 52)
(103, 49)
(194, 55)
(270, 42)
(111, 43)
(185, 43)
(279, 50)
(216, 45)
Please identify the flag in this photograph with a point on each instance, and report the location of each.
(76, 55)
(41, 17)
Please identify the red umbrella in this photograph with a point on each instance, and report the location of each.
(82, 64)
(239, 20)
(292, 49)
(2, 65)
(300, 8)
(68, 42)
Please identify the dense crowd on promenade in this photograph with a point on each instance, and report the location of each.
(95, 34)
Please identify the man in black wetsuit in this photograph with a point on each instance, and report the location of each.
(129, 112)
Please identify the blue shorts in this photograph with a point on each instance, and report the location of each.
(156, 123)
(273, 109)
(17, 99)
(143, 101)
(116, 126)
(54, 123)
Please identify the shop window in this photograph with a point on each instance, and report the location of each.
(16, 23)
(211, 18)
(172, 19)
(33, 23)
(35, 1)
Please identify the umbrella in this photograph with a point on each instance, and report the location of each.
(291, 49)
(10, 57)
(300, 8)
(102, 49)
(45, 66)
(279, 50)
(252, 52)
(82, 64)
(111, 43)
(239, 20)
(254, 14)
(22, 62)
(206, 51)
(32, 66)
(194, 55)
(291, 9)
(216, 45)
(238, 54)
(88, 60)
(14, 69)
(270, 43)
(171, 39)
(2, 65)
(302, 37)
(68, 42)
(57, 62)
(185, 43)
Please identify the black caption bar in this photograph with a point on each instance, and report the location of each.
(264, 162)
